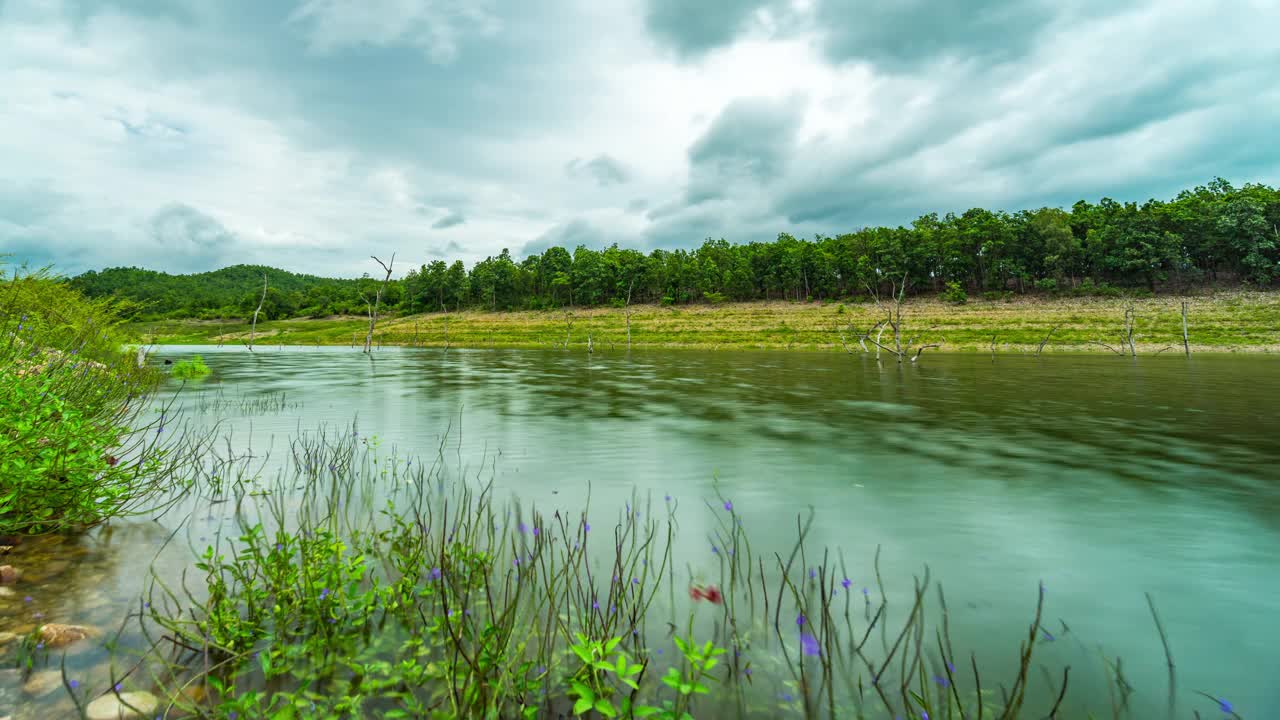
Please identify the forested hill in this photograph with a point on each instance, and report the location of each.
(1213, 233)
(224, 293)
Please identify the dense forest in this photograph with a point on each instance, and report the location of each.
(1215, 233)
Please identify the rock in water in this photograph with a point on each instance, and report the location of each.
(57, 636)
(42, 683)
(124, 706)
(9, 575)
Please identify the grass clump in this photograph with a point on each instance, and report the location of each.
(190, 369)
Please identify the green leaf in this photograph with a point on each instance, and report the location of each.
(647, 710)
(583, 691)
(581, 706)
(609, 646)
(685, 688)
(605, 708)
(622, 664)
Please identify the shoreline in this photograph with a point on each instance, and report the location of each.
(1232, 322)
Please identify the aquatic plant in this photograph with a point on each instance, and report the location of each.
(366, 585)
(190, 369)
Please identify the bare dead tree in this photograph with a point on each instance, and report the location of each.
(892, 321)
(1043, 342)
(1186, 343)
(414, 343)
(590, 345)
(253, 329)
(993, 349)
(377, 299)
(568, 328)
(445, 308)
(1130, 326)
(629, 311)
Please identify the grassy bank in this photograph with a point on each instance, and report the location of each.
(1235, 321)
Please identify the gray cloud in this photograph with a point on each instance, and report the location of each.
(691, 28)
(603, 169)
(751, 140)
(453, 219)
(187, 238)
(909, 31)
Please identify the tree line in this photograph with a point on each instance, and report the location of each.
(1215, 233)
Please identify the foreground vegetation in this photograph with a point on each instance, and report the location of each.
(1230, 321)
(78, 441)
(366, 585)
(1216, 234)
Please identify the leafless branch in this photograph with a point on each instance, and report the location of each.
(377, 299)
(253, 329)
(1042, 342)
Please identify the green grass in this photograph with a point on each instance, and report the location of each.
(1237, 321)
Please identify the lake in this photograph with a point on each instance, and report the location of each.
(1103, 477)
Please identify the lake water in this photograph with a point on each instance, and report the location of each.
(1104, 477)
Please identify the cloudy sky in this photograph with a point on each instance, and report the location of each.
(191, 134)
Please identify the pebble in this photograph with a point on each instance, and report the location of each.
(43, 682)
(126, 706)
(55, 568)
(7, 637)
(9, 575)
(6, 592)
(57, 635)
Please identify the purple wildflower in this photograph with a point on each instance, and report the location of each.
(943, 682)
(1047, 635)
(74, 684)
(1225, 706)
(119, 687)
(324, 593)
(728, 506)
(26, 599)
(800, 620)
(809, 644)
(845, 583)
(668, 498)
(435, 573)
(813, 573)
(522, 527)
(586, 526)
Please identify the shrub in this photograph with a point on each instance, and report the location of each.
(715, 298)
(997, 295)
(954, 294)
(190, 368)
(73, 448)
(1047, 284)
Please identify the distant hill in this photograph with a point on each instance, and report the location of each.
(230, 292)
